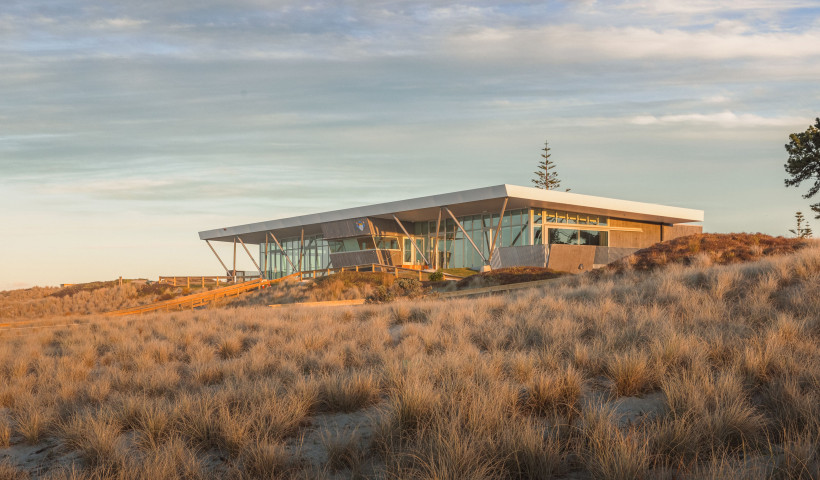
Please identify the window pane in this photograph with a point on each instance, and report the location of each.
(408, 251)
(366, 243)
(537, 236)
(589, 237)
(563, 236)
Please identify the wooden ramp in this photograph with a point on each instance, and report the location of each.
(200, 299)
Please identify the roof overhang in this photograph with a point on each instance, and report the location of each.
(466, 202)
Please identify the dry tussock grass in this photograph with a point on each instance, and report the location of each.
(530, 385)
(84, 299)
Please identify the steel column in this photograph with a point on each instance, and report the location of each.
(283, 251)
(412, 240)
(251, 257)
(217, 256)
(465, 234)
(498, 228)
(438, 225)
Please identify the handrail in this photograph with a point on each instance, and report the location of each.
(374, 267)
(202, 280)
(201, 298)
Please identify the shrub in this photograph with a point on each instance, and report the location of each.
(436, 276)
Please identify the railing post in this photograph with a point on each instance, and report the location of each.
(419, 275)
(396, 271)
(188, 281)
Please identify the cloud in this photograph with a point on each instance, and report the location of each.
(724, 119)
(577, 44)
(119, 24)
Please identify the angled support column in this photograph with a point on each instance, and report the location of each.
(283, 251)
(412, 240)
(465, 234)
(217, 256)
(438, 228)
(233, 272)
(301, 251)
(251, 257)
(498, 228)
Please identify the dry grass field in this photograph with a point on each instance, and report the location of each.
(687, 371)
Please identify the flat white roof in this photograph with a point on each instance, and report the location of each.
(465, 202)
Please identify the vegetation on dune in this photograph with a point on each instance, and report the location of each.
(709, 248)
(504, 276)
(690, 371)
(85, 298)
(376, 287)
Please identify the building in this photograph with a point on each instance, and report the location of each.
(492, 227)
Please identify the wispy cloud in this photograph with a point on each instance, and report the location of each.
(722, 119)
(232, 109)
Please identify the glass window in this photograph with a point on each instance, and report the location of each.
(589, 237)
(408, 250)
(537, 240)
(519, 233)
(387, 243)
(536, 216)
(420, 244)
(563, 236)
(366, 243)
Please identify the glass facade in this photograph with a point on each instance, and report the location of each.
(567, 228)
(454, 249)
(316, 255)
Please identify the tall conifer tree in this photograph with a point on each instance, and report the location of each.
(545, 176)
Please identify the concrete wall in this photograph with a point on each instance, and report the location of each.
(571, 258)
(605, 255)
(524, 256)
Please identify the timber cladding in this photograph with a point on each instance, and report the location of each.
(674, 231)
(650, 234)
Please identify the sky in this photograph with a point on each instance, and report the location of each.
(127, 127)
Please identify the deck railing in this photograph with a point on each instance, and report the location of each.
(202, 298)
(231, 290)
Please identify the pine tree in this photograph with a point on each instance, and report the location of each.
(546, 177)
(801, 231)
